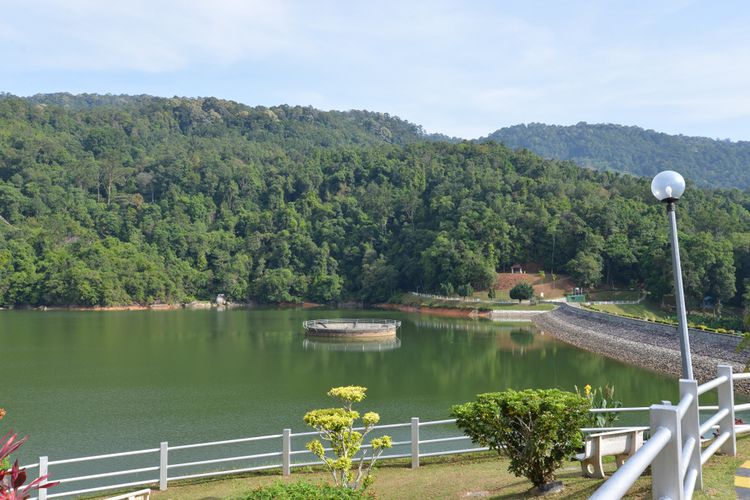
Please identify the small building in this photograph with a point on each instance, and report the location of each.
(516, 269)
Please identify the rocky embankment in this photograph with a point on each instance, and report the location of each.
(648, 345)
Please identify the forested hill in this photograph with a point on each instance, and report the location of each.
(214, 117)
(167, 200)
(707, 162)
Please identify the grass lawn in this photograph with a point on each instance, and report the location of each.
(499, 295)
(643, 310)
(523, 307)
(481, 474)
(605, 295)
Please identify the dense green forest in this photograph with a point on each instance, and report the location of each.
(141, 199)
(707, 162)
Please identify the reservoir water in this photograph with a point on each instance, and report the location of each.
(85, 383)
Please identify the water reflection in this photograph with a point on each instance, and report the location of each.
(191, 376)
(321, 344)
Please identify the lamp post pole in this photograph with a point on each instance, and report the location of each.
(667, 187)
(687, 364)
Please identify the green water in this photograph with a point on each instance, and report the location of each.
(84, 383)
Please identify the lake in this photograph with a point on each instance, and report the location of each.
(85, 383)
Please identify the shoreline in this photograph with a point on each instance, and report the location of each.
(649, 346)
(437, 311)
(195, 305)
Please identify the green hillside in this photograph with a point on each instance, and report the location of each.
(633, 150)
(148, 199)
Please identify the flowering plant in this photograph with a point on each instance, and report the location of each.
(336, 425)
(601, 398)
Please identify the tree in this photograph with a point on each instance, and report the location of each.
(522, 291)
(491, 293)
(336, 426)
(446, 289)
(537, 429)
(585, 268)
(277, 285)
(379, 278)
(465, 290)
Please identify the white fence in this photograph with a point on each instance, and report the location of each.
(463, 299)
(673, 451)
(286, 456)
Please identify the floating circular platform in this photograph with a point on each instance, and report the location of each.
(359, 329)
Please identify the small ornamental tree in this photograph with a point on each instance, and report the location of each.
(336, 426)
(522, 291)
(537, 429)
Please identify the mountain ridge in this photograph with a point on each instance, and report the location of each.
(634, 150)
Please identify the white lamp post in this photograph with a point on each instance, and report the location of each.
(667, 187)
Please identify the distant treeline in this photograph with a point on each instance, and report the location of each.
(145, 199)
(707, 162)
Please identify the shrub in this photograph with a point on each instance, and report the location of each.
(465, 290)
(12, 479)
(537, 429)
(446, 289)
(303, 491)
(336, 425)
(522, 291)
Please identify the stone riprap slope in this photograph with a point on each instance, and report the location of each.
(648, 345)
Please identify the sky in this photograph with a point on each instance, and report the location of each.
(462, 68)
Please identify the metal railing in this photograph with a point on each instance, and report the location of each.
(285, 457)
(463, 299)
(380, 323)
(674, 449)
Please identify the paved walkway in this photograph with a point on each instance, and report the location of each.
(742, 481)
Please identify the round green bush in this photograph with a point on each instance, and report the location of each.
(304, 491)
(537, 429)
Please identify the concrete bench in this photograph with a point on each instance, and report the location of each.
(621, 444)
(144, 494)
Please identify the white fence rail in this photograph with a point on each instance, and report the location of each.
(674, 450)
(463, 299)
(286, 456)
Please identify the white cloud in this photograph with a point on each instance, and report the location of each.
(146, 36)
(451, 66)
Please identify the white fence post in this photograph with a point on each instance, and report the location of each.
(286, 450)
(726, 400)
(43, 470)
(163, 462)
(414, 442)
(691, 425)
(666, 477)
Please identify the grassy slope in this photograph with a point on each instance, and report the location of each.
(614, 295)
(409, 299)
(642, 310)
(477, 475)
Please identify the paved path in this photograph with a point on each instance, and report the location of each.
(742, 481)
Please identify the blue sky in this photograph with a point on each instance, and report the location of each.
(464, 68)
